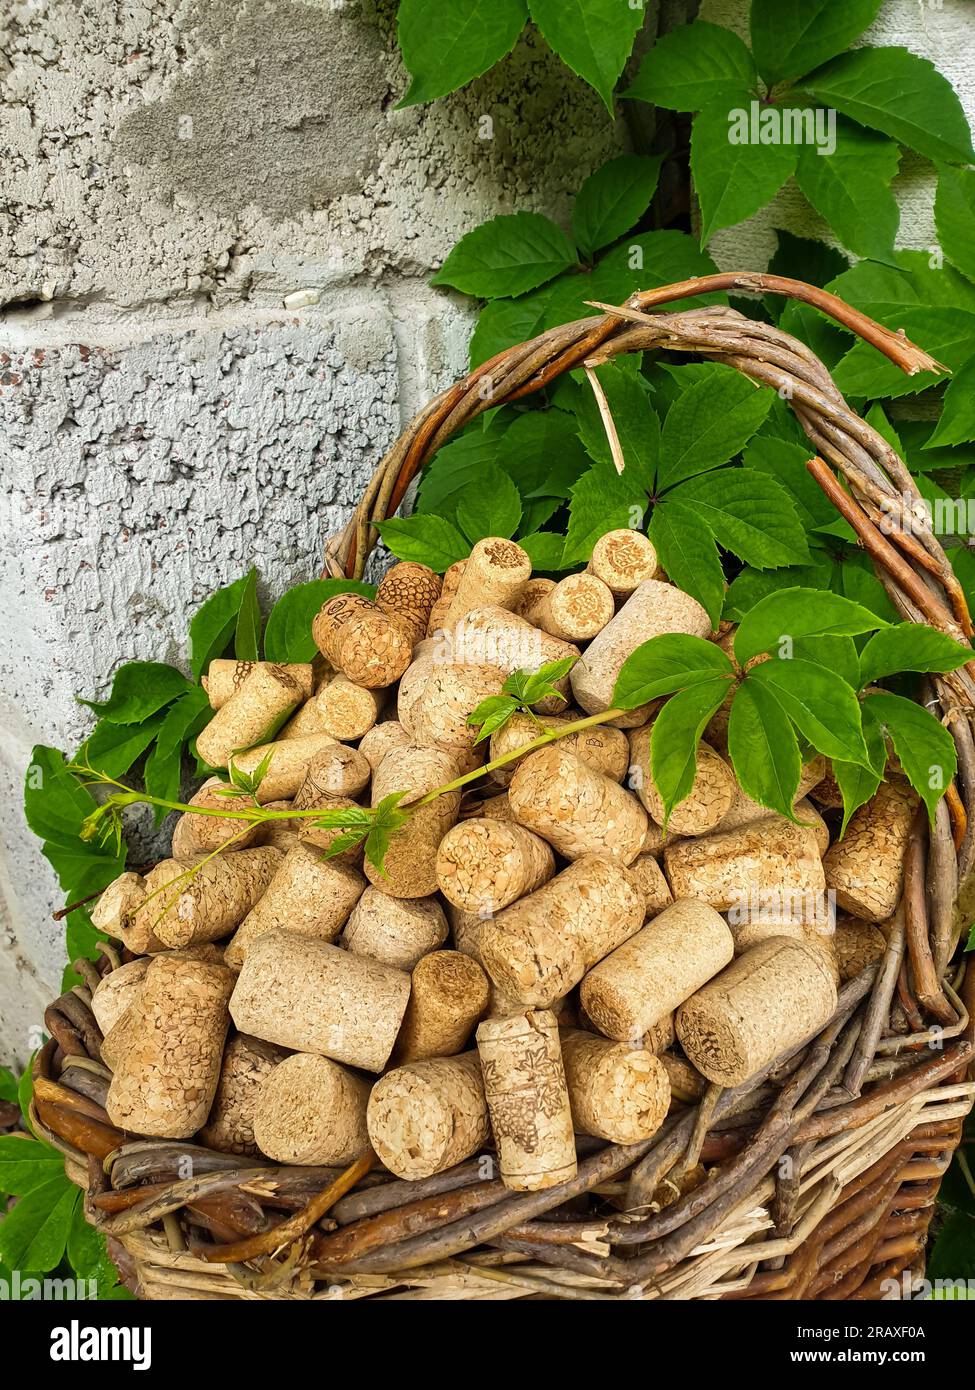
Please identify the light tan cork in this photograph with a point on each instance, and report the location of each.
(113, 913)
(308, 895)
(497, 808)
(301, 993)
(214, 901)
(117, 992)
(323, 837)
(528, 1099)
(772, 998)
(492, 636)
(438, 613)
(623, 560)
(343, 709)
(290, 761)
(706, 804)
(495, 574)
(361, 641)
(601, 748)
(827, 792)
(382, 739)
(407, 593)
(224, 678)
(576, 609)
(686, 1082)
(649, 879)
(648, 976)
(426, 655)
(410, 866)
(310, 1110)
(483, 865)
(194, 835)
(267, 696)
(165, 1083)
(660, 1035)
(122, 1013)
(820, 937)
(866, 868)
(428, 1115)
(450, 992)
(540, 947)
(527, 605)
(338, 771)
(744, 810)
(617, 1092)
(577, 809)
(451, 692)
(771, 865)
(230, 1125)
(466, 930)
(396, 931)
(858, 944)
(657, 839)
(653, 609)
(279, 834)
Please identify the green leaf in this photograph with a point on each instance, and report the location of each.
(954, 217)
(709, 423)
(910, 647)
(287, 637)
(838, 654)
(544, 549)
(80, 937)
(648, 261)
(924, 746)
(459, 41)
(791, 37)
(531, 686)
(798, 612)
(750, 514)
(613, 199)
(8, 1089)
(895, 91)
(33, 1235)
(214, 624)
(452, 469)
(542, 454)
(850, 188)
(787, 464)
(763, 748)
(139, 689)
(687, 550)
(592, 37)
(429, 540)
(805, 259)
(88, 1254)
(822, 706)
(957, 423)
(491, 506)
(113, 748)
(492, 714)
(952, 1257)
(387, 819)
(674, 738)
(672, 661)
(26, 1163)
(507, 256)
(856, 782)
(946, 333)
(505, 322)
(247, 632)
(184, 720)
(734, 176)
(692, 66)
(602, 501)
(55, 803)
(637, 425)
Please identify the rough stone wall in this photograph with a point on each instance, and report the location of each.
(172, 173)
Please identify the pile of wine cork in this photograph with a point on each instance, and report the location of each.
(538, 956)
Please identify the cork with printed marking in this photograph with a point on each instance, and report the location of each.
(623, 560)
(409, 870)
(225, 677)
(165, 1083)
(449, 993)
(308, 894)
(706, 804)
(528, 605)
(341, 708)
(617, 1091)
(289, 762)
(648, 976)
(396, 931)
(528, 1100)
(213, 901)
(382, 739)
(428, 1115)
(407, 593)
(230, 1124)
(495, 574)
(866, 868)
(491, 636)
(266, 698)
(196, 834)
(485, 864)
(600, 747)
(576, 609)
(361, 641)
(773, 998)
(577, 809)
(310, 1110)
(770, 864)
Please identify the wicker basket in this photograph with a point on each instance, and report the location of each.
(824, 1170)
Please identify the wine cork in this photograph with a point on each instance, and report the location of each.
(230, 1124)
(648, 976)
(686, 1082)
(497, 808)
(483, 865)
(857, 944)
(649, 879)
(382, 739)
(466, 930)
(772, 867)
(396, 931)
(165, 1083)
(617, 1092)
(528, 604)
(301, 993)
(494, 637)
(409, 870)
(426, 655)
(438, 613)
(576, 609)
(117, 992)
(428, 1115)
(314, 836)
(211, 903)
(343, 709)
(623, 560)
(407, 593)
(194, 835)
(309, 1110)
(290, 760)
(771, 999)
(495, 574)
(224, 678)
(706, 804)
(279, 834)
(865, 869)
(600, 747)
(121, 1014)
(116, 913)
(827, 791)
(540, 947)
(660, 1035)
(449, 993)
(577, 809)
(528, 1100)
(657, 839)
(361, 641)
(451, 692)
(266, 698)
(336, 771)
(653, 609)
(743, 810)
(308, 895)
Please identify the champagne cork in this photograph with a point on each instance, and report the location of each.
(224, 678)
(211, 903)
(279, 834)
(323, 837)
(337, 771)
(451, 692)
(540, 947)
(267, 696)
(308, 895)
(407, 594)
(429, 1115)
(290, 760)
(449, 993)
(301, 993)
(623, 560)
(649, 879)
(309, 1110)
(648, 976)
(343, 709)
(528, 604)
(578, 810)
(396, 931)
(653, 609)
(771, 999)
(361, 641)
(382, 739)
(743, 810)
(230, 1125)
(194, 835)
(706, 804)
(772, 867)
(117, 992)
(528, 1100)
(410, 867)
(494, 637)
(426, 655)
(495, 574)
(858, 944)
(576, 609)
(115, 913)
(165, 1083)
(438, 613)
(483, 865)
(866, 868)
(617, 1092)
(600, 747)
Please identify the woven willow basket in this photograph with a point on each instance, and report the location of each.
(823, 1170)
